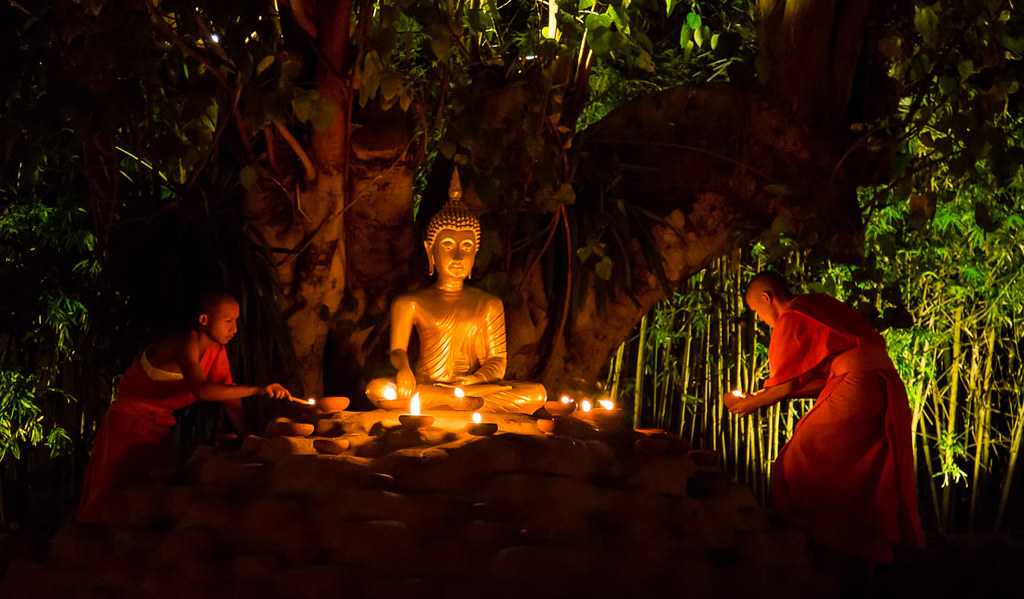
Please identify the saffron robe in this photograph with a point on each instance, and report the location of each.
(847, 475)
(134, 442)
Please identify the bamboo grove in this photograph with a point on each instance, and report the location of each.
(951, 298)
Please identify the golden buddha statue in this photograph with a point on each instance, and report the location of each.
(461, 330)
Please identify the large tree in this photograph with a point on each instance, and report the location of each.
(342, 119)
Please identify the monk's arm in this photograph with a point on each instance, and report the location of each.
(205, 390)
(806, 386)
(493, 368)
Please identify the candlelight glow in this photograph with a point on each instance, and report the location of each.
(477, 418)
(414, 404)
(737, 393)
(565, 399)
(459, 392)
(585, 405)
(607, 404)
(311, 401)
(390, 392)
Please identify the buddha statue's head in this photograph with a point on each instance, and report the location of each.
(453, 236)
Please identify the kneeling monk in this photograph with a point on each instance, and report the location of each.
(134, 440)
(846, 476)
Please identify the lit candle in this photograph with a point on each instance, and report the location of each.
(737, 393)
(413, 419)
(585, 405)
(477, 418)
(565, 399)
(311, 401)
(390, 392)
(480, 428)
(607, 404)
(414, 404)
(459, 392)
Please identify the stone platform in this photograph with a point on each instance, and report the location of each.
(353, 505)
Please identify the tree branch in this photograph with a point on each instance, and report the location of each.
(307, 164)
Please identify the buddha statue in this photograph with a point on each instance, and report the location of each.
(461, 331)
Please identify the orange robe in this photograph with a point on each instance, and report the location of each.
(847, 474)
(134, 440)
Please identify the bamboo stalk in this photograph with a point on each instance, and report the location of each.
(981, 423)
(638, 389)
(617, 376)
(951, 411)
(1017, 432)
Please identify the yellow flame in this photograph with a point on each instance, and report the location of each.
(737, 393)
(459, 392)
(565, 399)
(477, 418)
(311, 401)
(607, 404)
(414, 404)
(390, 392)
(585, 405)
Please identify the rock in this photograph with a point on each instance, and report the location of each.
(313, 581)
(252, 445)
(255, 567)
(375, 545)
(186, 554)
(667, 474)
(277, 526)
(285, 427)
(331, 446)
(329, 427)
(706, 460)
(232, 474)
(525, 493)
(278, 448)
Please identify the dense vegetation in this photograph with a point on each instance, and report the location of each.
(155, 148)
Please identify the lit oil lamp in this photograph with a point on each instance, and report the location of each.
(563, 407)
(586, 406)
(414, 419)
(608, 415)
(390, 393)
(480, 428)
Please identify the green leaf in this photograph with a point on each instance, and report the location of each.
(669, 5)
(684, 35)
(714, 42)
(621, 19)
(699, 35)
(264, 64)
(926, 21)
(586, 4)
(693, 20)
(249, 177)
(644, 62)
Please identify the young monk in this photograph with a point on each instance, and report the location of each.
(134, 442)
(846, 476)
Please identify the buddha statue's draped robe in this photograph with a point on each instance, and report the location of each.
(460, 334)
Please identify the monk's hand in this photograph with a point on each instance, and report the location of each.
(406, 382)
(737, 403)
(276, 391)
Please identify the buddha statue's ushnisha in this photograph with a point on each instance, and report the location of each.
(461, 330)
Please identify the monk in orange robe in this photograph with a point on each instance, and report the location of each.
(134, 442)
(846, 476)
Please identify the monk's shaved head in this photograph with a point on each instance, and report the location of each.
(767, 294)
(769, 281)
(211, 301)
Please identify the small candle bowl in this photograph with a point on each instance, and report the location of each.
(332, 403)
(559, 408)
(482, 429)
(413, 421)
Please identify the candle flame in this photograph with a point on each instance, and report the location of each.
(737, 393)
(565, 399)
(390, 392)
(477, 418)
(414, 404)
(311, 401)
(459, 392)
(585, 405)
(607, 404)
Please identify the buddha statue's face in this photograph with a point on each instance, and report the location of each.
(453, 254)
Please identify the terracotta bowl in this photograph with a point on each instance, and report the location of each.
(546, 426)
(557, 408)
(336, 403)
(410, 421)
(482, 429)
